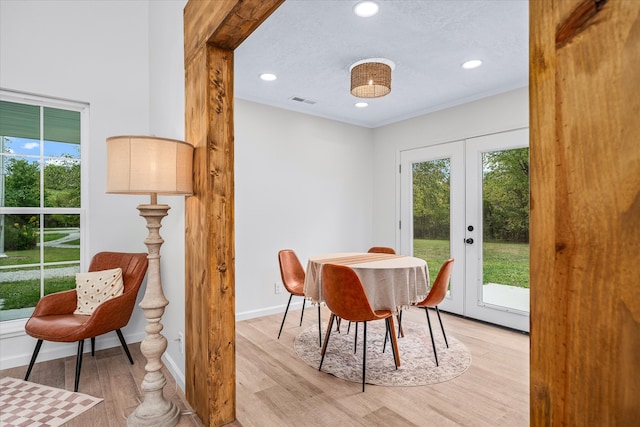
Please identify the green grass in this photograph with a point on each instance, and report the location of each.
(504, 263)
(26, 293)
(48, 237)
(32, 256)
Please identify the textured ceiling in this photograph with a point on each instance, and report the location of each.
(310, 45)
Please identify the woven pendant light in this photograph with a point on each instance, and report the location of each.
(371, 78)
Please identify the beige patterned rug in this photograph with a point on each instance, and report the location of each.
(23, 403)
(418, 366)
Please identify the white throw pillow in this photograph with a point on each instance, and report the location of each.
(96, 287)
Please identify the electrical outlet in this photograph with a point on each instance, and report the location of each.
(181, 342)
(278, 288)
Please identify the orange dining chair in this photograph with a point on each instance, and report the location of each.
(345, 297)
(54, 320)
(436, 294)
(381, 250)
(372, 250)
(293, 276)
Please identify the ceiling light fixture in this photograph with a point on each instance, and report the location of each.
(361, 104)
(371, 78)
(473, 63)
(365, 9)
(268, 77)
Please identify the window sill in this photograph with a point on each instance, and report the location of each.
(12, 328)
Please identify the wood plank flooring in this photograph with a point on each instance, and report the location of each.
(276, 388)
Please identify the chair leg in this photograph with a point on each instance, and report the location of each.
(33, 359)
(389, 322)
(433, 343)
(364, 354)
(355, 340)
(93, 346)
(285, 315)
(400, 331)
(319, 327)
(124, 345)
(326, 340)
(78, 364)
(304, 300)
(442, 327)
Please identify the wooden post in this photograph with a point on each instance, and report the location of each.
(213, 29)
(585, 212)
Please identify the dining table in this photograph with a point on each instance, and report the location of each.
(390, 281)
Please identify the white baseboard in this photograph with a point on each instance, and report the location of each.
(55, 350)
(251, 314)
(177, 374)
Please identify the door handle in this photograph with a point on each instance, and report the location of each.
(469, 241)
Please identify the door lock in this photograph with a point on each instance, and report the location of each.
(469, 241)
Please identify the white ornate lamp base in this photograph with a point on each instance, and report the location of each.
(154, 410)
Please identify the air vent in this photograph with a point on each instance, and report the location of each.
(303, 100)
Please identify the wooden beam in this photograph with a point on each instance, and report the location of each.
(585, 212)
(212, 30)
(223, 23)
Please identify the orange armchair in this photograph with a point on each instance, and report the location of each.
(53, 318)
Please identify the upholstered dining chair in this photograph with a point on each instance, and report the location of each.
(372, 250)
(293, 276)
(54, 320)
(435, 296)
(345, 297)
(381, 250)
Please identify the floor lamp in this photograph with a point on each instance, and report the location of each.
(150, 165)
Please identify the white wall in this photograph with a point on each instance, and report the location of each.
(166, 106)
(498, 113)
(302, 183)
(95, 52)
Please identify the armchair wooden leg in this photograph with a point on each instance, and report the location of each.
(33, 359)
(93, 346)
(124, 345)
(78, 364)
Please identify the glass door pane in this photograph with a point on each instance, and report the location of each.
(505, 228)
(432, 212)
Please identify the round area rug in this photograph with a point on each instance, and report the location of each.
(418, 366)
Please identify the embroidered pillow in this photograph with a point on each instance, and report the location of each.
(96, 287)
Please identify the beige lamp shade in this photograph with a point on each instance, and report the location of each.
(371, 78)
(146, 165)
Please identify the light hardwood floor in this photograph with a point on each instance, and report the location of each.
(276, 388)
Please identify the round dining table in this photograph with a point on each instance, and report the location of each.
(390, 281)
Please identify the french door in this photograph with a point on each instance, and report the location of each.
(468, 200)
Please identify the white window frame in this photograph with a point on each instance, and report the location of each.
(11, 328)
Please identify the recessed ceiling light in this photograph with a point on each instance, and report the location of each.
(268, 77)
(361, 104)
(474, 63)
(365, 9)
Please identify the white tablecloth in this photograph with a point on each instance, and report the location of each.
(390, 281)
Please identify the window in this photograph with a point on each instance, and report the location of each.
(41, 211)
